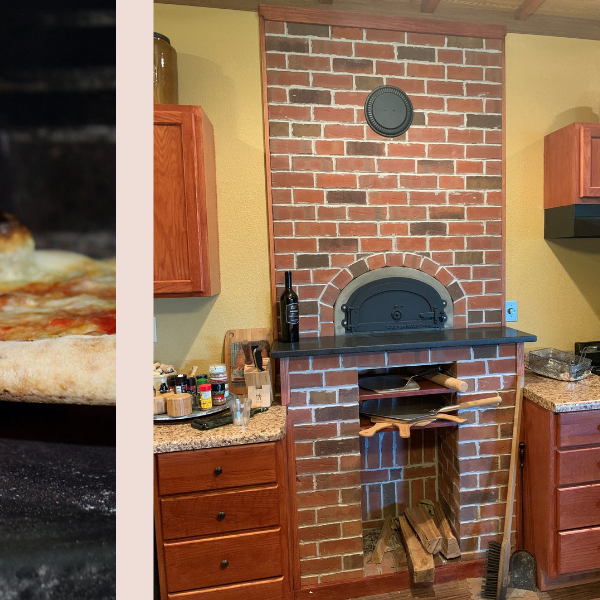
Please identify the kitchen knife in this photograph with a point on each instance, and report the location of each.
(258, 361)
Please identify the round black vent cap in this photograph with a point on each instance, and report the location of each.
(389, 111)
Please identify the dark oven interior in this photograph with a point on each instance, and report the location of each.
(57, 123)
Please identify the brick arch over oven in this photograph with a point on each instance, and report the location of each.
(391, 259)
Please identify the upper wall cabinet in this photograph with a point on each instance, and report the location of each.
(572, 181)
(186, 239)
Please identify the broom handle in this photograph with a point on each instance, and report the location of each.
(510, 496)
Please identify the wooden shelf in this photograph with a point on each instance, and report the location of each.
(365, 423)
(425, 387)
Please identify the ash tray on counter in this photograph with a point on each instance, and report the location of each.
(560, 365)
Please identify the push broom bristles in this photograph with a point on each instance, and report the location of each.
(491, 570)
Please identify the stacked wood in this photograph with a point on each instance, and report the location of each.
(425, 528)
(420, 562)
(450, 547)
(383, 540)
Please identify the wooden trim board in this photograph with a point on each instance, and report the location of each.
(503, 173)
(390, 23)
(265, 103)
(382, 584)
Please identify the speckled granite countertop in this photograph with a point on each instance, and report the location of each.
(563, 396)
(263, 427)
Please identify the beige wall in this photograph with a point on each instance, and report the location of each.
(550, 82)
(219, 69)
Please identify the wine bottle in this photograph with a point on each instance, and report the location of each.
(289, 314)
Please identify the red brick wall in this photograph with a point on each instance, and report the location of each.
(396, 473)
(341, 193)
(466, 468)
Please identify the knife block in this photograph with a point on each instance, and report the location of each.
(260, 389)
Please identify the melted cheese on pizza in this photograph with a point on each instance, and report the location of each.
(50, 293)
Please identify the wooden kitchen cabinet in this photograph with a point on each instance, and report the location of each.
(572, 165)
(221, 523)
(186, 238)
(562, 494)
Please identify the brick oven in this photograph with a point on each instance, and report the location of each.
(348, 204)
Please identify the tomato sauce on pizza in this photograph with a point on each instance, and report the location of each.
(46, 293)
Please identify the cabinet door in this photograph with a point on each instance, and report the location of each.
(176, 241)
(590, 161)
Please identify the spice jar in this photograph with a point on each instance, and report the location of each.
(191, 390)
(171, 381)
(181, 383)
(205, 396)
(218, 394)
(218, 374)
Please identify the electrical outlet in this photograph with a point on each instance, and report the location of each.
(155, 330)
(510, 311)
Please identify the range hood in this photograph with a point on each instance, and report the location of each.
(573, 221)
(572, 182)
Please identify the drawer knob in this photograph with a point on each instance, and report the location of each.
(224, 564)
(218, 471)
(220, 516)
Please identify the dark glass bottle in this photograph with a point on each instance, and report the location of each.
(289, 316)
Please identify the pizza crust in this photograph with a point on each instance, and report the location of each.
(82, 370)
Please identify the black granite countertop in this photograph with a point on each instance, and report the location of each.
(399, 341)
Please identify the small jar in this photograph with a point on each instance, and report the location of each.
(171, 381)
(218, 374)
(181, 383)
(218, 394)
(219, 370)
(191, 390)
(205, 396)
(201, 379)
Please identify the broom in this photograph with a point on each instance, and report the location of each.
(495, 577)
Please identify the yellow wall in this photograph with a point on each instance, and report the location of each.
(550, 82)
(219, 69)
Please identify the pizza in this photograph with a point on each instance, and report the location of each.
(57, 322)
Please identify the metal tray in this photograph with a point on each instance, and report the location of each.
(196, 412)
(564, 366)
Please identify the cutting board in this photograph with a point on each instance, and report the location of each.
(233, 342)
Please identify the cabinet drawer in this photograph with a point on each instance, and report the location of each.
(271, 589)
(219, 512)
(578, 550)
(578, 506)
(199, 563)
(577, 466)
(215, 468)
(578, 428)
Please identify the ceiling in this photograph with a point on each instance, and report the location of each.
(561, 18)
(577, 9)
